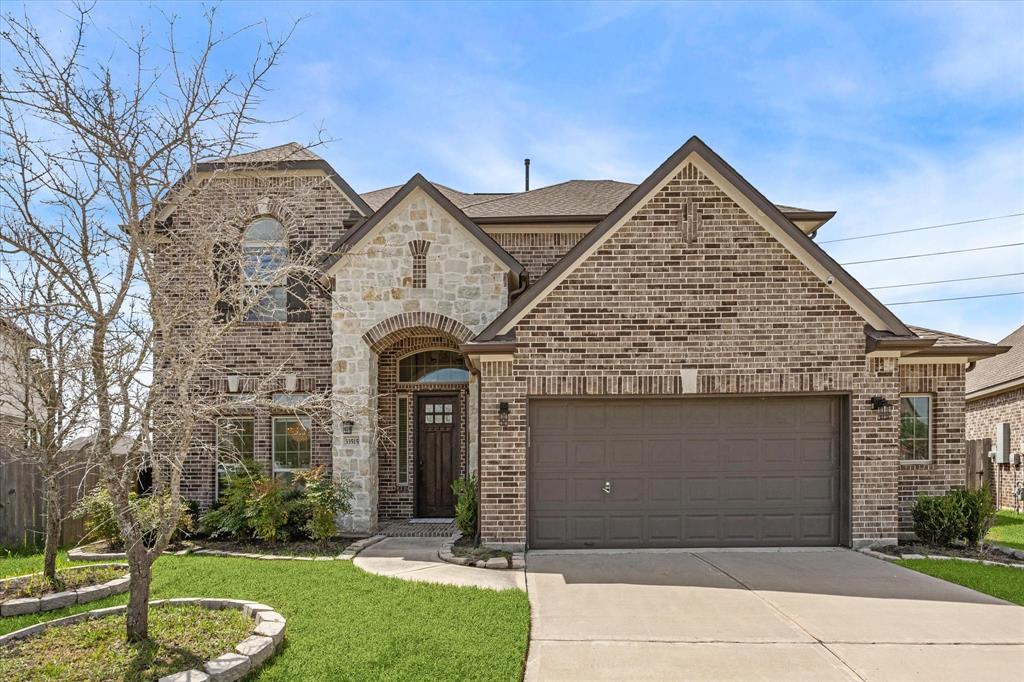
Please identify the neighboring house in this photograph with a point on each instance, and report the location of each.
(995, 396)
(674, 363)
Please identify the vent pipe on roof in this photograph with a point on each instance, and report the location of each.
(526, 163)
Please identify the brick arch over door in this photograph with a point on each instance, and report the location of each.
(417, 323)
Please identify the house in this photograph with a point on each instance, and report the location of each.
(995, 397)
(674, 363)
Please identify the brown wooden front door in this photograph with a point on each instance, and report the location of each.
(437, 454)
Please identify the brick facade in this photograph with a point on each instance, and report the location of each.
(982, 416)
(537, 251)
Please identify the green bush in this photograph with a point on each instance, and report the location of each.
(979, 511)
(465, 490)
(958, 515)
(101, 524)
(267, 513)
(230, 517)
(324, 500)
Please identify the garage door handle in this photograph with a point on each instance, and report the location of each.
(607, 488)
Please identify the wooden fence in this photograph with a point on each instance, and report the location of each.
(22, 500)
(978, 466)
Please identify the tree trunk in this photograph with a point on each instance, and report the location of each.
(53, 523)
(141, 567)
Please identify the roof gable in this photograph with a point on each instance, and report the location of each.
(746, 196)
(1006, 369)
(361, 231)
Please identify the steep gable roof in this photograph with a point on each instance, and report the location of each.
(358, 233)
(790, 236)
(1005, 370)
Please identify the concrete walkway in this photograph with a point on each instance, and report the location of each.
(815, 615)
(416, 559)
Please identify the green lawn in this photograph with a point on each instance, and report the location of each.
(1008, 529)
(344, 624)
(1004, 582)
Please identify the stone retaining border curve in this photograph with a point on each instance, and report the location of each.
(251, 653)
(893, 557)
(58, 600)
(83, 554)
(348, 554)
(445, 554)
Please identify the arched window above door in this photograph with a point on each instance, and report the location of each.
(433, 367)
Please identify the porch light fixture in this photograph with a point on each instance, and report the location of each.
(347, 427)
(882, 406)
(503, 413)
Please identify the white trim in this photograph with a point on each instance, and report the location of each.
(274, 469)
(383, 224)
(931, 433)
(759, 216)
(493, 357)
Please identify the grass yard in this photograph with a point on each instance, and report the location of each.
(1008, 529)
(1004, 582)
(344, 624)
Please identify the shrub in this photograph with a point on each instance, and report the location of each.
(465, 505)
(230, 516)
(324, 499)
(979, 511)
(267, 513)
(938, 520)
(98, 513)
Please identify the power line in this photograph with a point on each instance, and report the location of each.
(958, 298)
(919, 229)
(934, 253)
(944, 281)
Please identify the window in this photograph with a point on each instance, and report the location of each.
(915, 428)
(292, 443)
(419, 248)
(235, 442)
(433, 367)
(264, 254)
(403, 439)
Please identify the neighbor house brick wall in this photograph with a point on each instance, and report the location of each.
(982, 416)
(734, 305)
(311, 209)
(946, 468)
(537, 251)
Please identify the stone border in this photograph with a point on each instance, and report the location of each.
(58, 600)
(347, 555)
(251, 653)
(445, 554)
(901, 557)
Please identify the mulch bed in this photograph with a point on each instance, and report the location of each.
(181, 638)
(36, 585)
(297, 548)
(465, 547)
(982, 553)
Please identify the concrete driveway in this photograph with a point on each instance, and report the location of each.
(814, 615)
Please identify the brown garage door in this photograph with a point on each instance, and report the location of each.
(685, 473)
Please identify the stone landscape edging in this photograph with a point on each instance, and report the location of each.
(445, 554)
(249, 654)
(20, 606)
(944, 557)
(348, 554)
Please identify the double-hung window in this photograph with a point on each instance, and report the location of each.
(292, 442)
(235, 443)
(915, 427)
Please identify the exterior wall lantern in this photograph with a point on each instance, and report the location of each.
(503, 413)
(347, 427)
(882, 406)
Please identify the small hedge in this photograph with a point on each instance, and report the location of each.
(97, 512)
(959, 515)
(465, 490)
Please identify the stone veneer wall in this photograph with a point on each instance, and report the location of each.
(465, 284)
(310, 208)
(946, 469)
(982, 416)
(735, 306)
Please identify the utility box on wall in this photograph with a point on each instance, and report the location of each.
(1001, 452)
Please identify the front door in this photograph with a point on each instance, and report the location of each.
(437, 454)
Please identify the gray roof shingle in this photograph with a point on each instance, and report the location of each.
(290, 151)
(946, 339)
(1001, 368)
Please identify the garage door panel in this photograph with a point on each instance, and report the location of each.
(701, 472)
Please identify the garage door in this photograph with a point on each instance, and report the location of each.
(736, 472)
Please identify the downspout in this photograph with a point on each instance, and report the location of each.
(524, 281)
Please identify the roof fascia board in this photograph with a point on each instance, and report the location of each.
(375, 223)
(737, 188)
(995, 389)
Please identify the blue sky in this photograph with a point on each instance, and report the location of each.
(895, 115)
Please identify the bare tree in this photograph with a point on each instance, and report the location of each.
(49, 386)
(97, 178)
